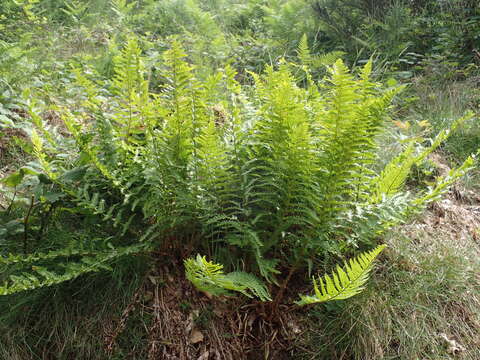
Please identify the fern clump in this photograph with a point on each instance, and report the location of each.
(266, 179)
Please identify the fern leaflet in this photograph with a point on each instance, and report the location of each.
(344, 283)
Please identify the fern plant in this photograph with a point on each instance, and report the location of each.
(314, 64)
(268, 179)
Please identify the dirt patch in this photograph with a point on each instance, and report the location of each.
(450, 221)
(455, 218)
(187, 324)
(7, 137)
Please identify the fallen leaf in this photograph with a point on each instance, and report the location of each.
(153, 279)
(402, 125)
(196, 336)
(204, 356)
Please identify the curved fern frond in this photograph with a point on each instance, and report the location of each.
(251, 285)
(393, 177)
(344, 283)
(209, 277)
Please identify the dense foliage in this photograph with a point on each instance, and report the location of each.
(275, 179)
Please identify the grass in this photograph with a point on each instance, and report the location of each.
(442, 102)
(427, 286)
(71, 321)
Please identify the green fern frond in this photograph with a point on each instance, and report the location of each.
(314, 61)
(11, 259)
(205, 275)
(443, 184)
(344, 283)
(303, 51)
(42, 277)
(326, 59)
(250, 284)
(209, 277)
(122, 8)
(392, 178)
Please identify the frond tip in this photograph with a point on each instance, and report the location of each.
(344, 283)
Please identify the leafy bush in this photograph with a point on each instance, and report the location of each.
(399, 33)
(267, 179)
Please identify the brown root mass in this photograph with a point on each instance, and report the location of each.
(187, 324)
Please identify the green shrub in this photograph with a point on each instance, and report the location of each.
(268, 179)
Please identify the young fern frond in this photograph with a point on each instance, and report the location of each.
(209, 277)
(344, 283)
(303, 51)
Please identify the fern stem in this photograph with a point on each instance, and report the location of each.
(25, 225)
(281, 292)
(44, 221)
(11, 202)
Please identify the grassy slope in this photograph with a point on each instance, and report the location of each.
(427, 288)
